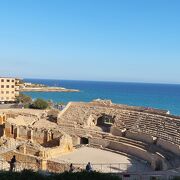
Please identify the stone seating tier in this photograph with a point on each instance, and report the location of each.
(161, 125)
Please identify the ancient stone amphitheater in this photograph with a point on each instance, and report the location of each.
(147, 134)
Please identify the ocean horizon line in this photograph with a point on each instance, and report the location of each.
(103, 81)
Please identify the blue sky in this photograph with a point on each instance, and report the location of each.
(109, 40)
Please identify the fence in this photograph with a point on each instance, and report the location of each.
(116, 167)
(60, 167)
(123, 170)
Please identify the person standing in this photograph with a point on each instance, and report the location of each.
(88, 167)
(71, 168)
(12, 163)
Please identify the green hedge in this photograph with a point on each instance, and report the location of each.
(29, 175)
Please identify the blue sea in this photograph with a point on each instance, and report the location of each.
(161, 96)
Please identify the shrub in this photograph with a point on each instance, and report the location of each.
(39, 104)
(86, 176)
(22, 98)
(30, 175)
(26, 106)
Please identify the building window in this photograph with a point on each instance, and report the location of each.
(2, 92)
(12, 92)
(8, 80)
(12, 86)
(7, 98)
(2, 86)
(2, 98)
(7, 92)
(12, 80)
(7, 86)
(2, 80)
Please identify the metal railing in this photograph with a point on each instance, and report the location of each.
(123, 170)
(57, 167)
(116, 167)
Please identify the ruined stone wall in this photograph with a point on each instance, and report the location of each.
(75, 140)
(30, 150)
(39, 136)
(8, 130)
(23, 132)
(57, 167)
(24, 161)
(65, 145)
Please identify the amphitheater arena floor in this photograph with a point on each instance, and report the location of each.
(102, 160)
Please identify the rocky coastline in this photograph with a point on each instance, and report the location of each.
(48, 89)
(30, 87)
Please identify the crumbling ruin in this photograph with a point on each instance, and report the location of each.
(145, 133)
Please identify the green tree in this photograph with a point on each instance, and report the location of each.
(39, 104)
(22, 98)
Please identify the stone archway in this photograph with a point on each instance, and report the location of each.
(84, 140)
(105, 122)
